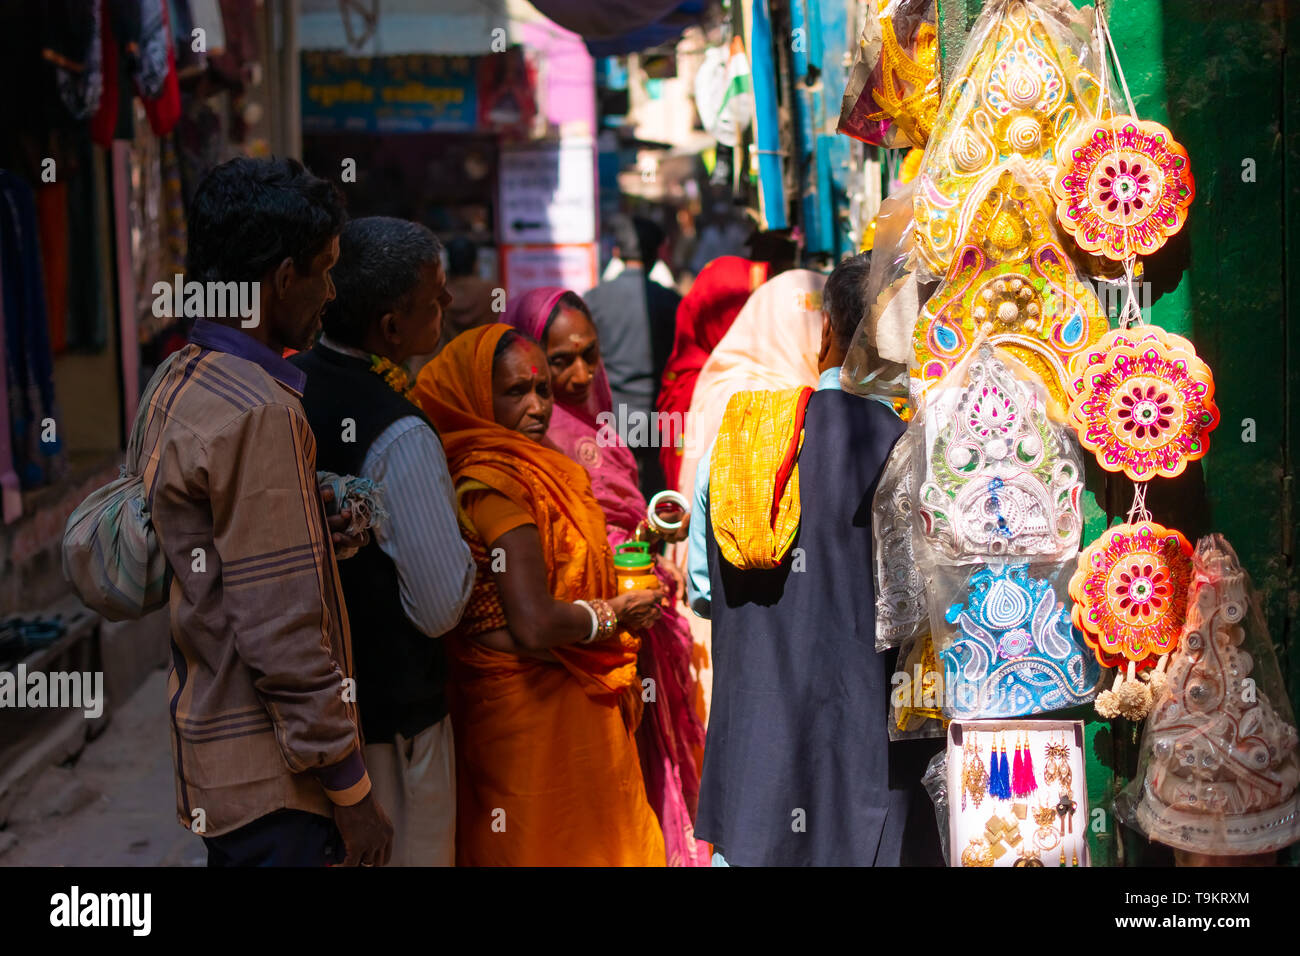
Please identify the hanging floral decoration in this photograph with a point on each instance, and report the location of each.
(1123, 186)
(1130, 592)
(1020, 89)
(1143, 402)
(1012, 281)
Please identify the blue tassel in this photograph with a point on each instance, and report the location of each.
(1000, 783)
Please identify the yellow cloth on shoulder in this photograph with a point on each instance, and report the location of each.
(757, 446)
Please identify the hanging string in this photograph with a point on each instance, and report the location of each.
(1130, 314)
(1119, 70)
(1138, 510)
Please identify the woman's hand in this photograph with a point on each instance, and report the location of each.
(666, 565)
(678, 533)
(639, 608)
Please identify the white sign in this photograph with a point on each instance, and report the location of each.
(548, 193)
(532, 267)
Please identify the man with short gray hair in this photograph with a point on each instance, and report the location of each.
(409, 585)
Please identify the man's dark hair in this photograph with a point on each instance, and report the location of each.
(777, 249)
(638, 238)
(379, 265)
(249, 215)
(844, 298)
(462, 255)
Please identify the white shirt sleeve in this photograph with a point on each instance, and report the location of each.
(422, 536)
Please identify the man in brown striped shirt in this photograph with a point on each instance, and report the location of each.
(268, 758)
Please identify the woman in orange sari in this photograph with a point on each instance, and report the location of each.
(543, 688)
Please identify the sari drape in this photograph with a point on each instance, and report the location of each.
(670, 737)
(703, 318)
(772, 345)
(547, 766)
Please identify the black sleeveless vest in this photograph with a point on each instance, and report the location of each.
(401, 672)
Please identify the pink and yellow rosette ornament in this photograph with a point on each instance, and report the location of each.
(1130, 594)
(1123, 186)
(1142, 401)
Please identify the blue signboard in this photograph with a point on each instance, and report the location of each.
(392, 94)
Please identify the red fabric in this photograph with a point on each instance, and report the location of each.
(703, 318)
(104, 122)
(165, 112)
(52, 224)
(786, 468)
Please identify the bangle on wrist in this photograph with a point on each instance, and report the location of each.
(608, 619)
(595, 622)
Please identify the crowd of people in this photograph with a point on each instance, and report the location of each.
(466, 681)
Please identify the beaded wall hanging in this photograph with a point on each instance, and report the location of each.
(1130, 592)
(1123, 187)
(1019, 90)
(1001, 480)
(1143, 402)
(1014, 652)
(1013, 282)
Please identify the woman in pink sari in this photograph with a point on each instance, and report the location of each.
(670, 735)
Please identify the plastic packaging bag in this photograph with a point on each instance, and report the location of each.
(1008, 649)
(1218, 771)
(901, 610)
(877, 360)
(935, 781)
(997, 516)
(892, 95)
(1012, 279)
(998, 477)
(1027, 77)
(916, 698)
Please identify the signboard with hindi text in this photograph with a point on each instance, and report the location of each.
(393, 94)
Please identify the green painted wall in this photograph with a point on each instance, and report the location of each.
(1216, 74)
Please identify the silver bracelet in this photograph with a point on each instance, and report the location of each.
(595, 622)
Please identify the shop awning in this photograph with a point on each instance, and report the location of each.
(466, 27)
(456, 27)
(615, 27)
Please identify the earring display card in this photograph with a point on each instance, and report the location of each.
(1017, 794)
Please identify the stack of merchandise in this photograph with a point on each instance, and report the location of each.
(1039, 184)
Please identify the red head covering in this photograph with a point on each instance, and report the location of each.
(703, 318)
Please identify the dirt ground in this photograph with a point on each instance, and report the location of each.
(114, 805)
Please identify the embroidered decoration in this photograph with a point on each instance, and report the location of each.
(1221, 773)
(908, 93)
(1002, 479)
(917, 702)
(1123, 187)
(892, 94)
(1019, 92)
(1143, 402)
(1012, 281)
(1014, 652)
(901, 607)
(1130, 592)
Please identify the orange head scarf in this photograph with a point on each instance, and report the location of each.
(455, 391)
